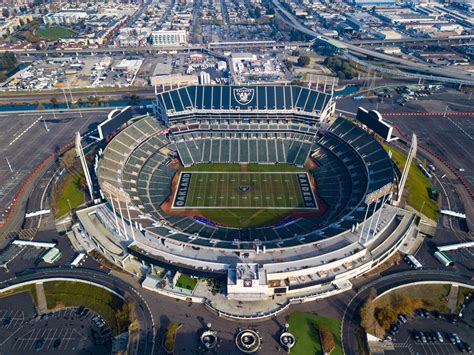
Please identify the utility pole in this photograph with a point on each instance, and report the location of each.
(45, 125)
(65, 97)
(80, 154)
(9, 165)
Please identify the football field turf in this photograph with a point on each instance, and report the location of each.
(244, 190)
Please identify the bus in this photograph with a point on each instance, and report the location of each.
(411, 260)
(443, 258)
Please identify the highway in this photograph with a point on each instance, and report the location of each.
(351, 319)
(467, 39)
(439, 72)
(160, 49)
(142, 345)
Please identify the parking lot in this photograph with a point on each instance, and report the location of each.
(66, 331)
(404, 342)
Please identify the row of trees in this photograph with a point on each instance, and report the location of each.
(7, 61)
(342, 67)
(376, 320)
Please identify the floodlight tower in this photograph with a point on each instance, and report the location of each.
(85, 168)
(406, 169)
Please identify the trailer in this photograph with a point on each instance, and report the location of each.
(443, 258)
(78, 259)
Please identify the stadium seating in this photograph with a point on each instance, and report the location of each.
(350, 163)
(265, 97)
(197, 143)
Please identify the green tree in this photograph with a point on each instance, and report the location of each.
(303, 60)
(258, 12)
(7, 61)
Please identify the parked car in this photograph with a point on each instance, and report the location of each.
(39, 344)
(423, 337)
(416, 336)
(454, 338)
(440, 337)
(402, 318)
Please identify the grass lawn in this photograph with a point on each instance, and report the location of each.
(305, 327)
(28, 288)
(246, 217)
(70, 189)
(74, 294)
(417, 185)
(54, 33)
(170, 337)
(186, 281)
(266, 190)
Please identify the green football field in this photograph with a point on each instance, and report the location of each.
(243, 190)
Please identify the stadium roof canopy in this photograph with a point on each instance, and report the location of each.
(243, 98)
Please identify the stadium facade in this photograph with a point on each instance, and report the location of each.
(302, 256)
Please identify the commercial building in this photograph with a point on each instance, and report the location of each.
(169, 37)
(66, 17)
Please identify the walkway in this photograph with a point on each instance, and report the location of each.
(41, 298)
(453, 298)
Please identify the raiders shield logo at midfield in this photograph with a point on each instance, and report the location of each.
(244, 95)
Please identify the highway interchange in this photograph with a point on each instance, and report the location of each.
(440, 73)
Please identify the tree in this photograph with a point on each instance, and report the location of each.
(367, 312)
(386, 317)
(68, 159)
(327, 340)
(5, 12)
(258, 12)
(303, 60)
(7, 61)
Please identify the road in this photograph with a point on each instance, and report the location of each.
(351, 317)
(409, 65)
(142, 345)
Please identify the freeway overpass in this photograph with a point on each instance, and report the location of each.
(156, 50)
(436, 73)
(467, 39)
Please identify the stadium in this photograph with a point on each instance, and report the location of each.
(262, 187)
